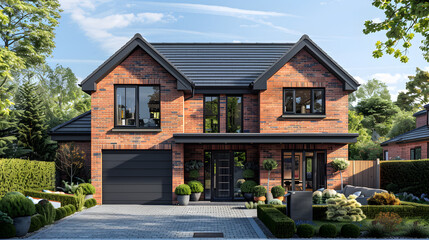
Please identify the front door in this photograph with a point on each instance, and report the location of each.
(222, 187)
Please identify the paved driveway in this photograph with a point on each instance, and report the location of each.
(143, 221)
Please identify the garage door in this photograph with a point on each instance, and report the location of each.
(137, 177)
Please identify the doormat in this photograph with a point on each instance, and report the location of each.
(208, 235)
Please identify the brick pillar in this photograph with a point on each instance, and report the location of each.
(178, 167)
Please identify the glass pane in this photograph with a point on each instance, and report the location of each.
(318, 101)
(211, 111)
(149, 107)
(130, 110)
(418, 153)
(120, 106)
(207, 175)
(309, 171)
(297, 171)
(234, 114)
(287, 170)
(303, 101)
(239, 163)
(288, 101)
(412, 154)
(211, 105)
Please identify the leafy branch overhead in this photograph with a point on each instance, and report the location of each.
(403, 19)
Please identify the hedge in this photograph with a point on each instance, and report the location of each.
(410, 176)
(280, 225)
(17, 175)
(64, 199)
(406, 209)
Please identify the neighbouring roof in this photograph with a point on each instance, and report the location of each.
(77, 129)
(245, 66)
(229, 138)
(419, 113)
(418, 134)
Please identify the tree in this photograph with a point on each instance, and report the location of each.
(269, 165)
(340, 164)
(377, 114)
(370, 89)
(70, 160)
(402, 123)
(404, 19)
(32, 130)
(405, 102)
(26, 34)
(418, 87)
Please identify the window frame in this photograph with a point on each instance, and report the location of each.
(414, 150)
(137, 99)
(386, 157)
(204, 111)
(312, 102)
(242, 113)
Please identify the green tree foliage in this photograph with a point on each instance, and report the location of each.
(370, 89)
(402, 123)
(32, 129)
(403, 19)
(405, 102)
(418, 87)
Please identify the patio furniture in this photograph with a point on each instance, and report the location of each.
(299, 205)
(365, 193)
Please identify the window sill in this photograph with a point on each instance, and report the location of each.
(304, 116)
(136, 130)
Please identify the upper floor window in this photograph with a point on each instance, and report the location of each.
(211, 114)
(234, 123)
(137, 106)
(416, 153)
(304, 101)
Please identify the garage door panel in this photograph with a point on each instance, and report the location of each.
(151, 202)
(119, 188)
(134, 180)
(132, 172)
(137, 196)
(137, 164)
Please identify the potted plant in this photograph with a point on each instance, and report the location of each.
(196, 190)
(7, 230)
(20, 209)
(259, 192)
(278, 192)
(194, 174)
(340, 164)
(88, 190)
(269, 165)
(248, 174)
(247, 189)
(183, 191)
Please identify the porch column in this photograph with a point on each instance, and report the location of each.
(177, 167)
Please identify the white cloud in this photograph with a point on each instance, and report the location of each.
(359, 79)
(236, 41)
(377, 20)
(426, 69)
(389, 78)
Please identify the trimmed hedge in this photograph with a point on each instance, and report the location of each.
(65, 199)
(280, 225)
(19, 175)
(89, 203)
(409, 176)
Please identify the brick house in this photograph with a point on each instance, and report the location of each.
(156, 106)
(411, 145)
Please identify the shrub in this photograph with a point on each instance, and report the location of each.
(183, 189)
(278, 191)
(383, 199)
(58, 214)
(247, 186)
(193, 165)
(319, 212)
(87, 188)
(64, 212)
(89, 203)
(72, 208)
(7, 230)
(417, 231)
(250, 205)
(19, 175)
(305, 231)
(35, 224)
(259, 191)
(80, 200)
(69, 188)
(45, 208)
(194, 174)
(275, 202)
(350, 230)
(392, 187)
(4, 218)
(375, 231)
(68, 210)
(388, 220)
(64, 199)
(196, 186)
(16, 205)
(328, 194)
(280, 225)
(344, 209)
(328, 230)
(317, 197)
(248, 174)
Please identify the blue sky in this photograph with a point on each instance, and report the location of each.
(91, 30)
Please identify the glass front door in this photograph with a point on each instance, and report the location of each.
(222, 176)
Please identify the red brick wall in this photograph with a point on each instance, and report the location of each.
(138, 68)
(403, 149)
(421, 120)
(303, 71)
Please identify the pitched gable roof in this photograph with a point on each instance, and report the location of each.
(306, 43)
(89, 83)
(415, 135)
(76, 129)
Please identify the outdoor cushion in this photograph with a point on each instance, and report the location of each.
(357, 194)
(349, 189)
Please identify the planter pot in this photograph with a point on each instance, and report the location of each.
(248, 196)
(195, 196)
(22, 225)
(269, 197)
(183, 199)
(257, 199)
(280, 198)
(89, 196)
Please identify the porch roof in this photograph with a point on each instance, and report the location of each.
(226, 138)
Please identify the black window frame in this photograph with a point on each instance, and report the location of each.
(204, 111)
(242, 113)
(312, 101)
(137, 99)
(384, 154)
(413, 151)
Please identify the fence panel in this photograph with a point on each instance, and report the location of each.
(364, 173)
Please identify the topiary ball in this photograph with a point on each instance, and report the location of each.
(87, 188)
(350, 230)
(35, 223)
(73, 208)
(194, 174)
(45, 208)
(58, 214)
(41, 219)
(249, 174)
(16, 205)
(183, 189)
(278, 191)
(305, 231)
(247, 186)
(196, 186)
(328, 230)
(259, 191)
(63, 212)
(14, 193)
(7, 230)
(68, 210)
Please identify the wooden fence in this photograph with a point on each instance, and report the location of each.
(364, 173)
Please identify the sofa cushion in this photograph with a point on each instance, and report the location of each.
(349, 189)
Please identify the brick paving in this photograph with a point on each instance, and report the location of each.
(143, 221)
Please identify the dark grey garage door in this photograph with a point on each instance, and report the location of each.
(137, 177)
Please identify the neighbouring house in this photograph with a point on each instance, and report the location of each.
(156, 106)
(411, 145)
